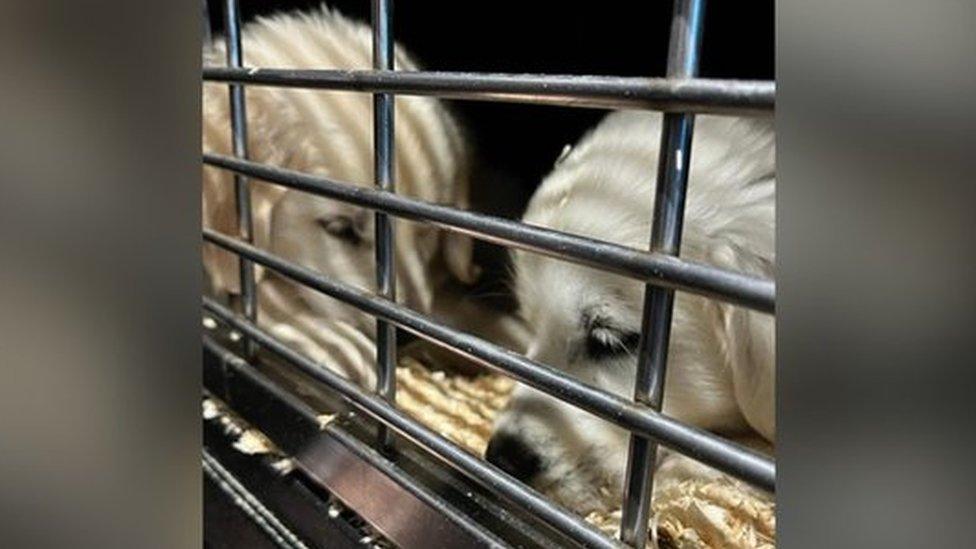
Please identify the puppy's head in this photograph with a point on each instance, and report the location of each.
(586, 324)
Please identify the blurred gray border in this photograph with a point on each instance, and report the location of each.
(100, 277)
(875, 216)
(100, 274)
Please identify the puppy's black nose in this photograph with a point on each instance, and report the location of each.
(510, 454)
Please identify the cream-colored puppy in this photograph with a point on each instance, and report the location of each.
(721, 367)
(330, 134)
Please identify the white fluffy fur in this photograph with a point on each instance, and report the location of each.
(721, 367)
(330, 134)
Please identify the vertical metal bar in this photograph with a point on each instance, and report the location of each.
(383, 170)
(242, 189)
(669, 204)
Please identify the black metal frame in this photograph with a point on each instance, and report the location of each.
(680, 95)
(697, 95)
(338, 461)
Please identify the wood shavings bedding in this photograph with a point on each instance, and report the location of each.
(690, 514)
(460, 408)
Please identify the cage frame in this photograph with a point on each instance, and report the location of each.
(679, 95)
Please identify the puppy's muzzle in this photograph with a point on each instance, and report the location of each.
(512, 455)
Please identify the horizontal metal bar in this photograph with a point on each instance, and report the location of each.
(478, 470)
(249, 504)
(726, 456)
(352, 462)
(698, 95)
(654, 268)
(279, 414)
(287, 496)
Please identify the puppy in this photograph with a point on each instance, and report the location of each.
(330, 134)
(721, 367)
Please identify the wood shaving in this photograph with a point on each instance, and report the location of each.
(253, 442)
(460, 408)
(701, 514)
(210, 409)
(324, 420)
(249, 441)
(284, 466)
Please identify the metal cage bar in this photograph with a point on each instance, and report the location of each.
(669, 210)
(726, 456)
(249, 504)
(385, 176)
(656, 268)
(680, 95)
(480, 471)
(698, 95)
(294, 413)
(242, 190)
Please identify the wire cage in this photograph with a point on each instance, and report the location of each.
(680, 95)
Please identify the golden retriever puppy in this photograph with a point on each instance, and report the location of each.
(330, 134)
(721, 366)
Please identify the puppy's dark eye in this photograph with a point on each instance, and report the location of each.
(604, 343)
(342, 228)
